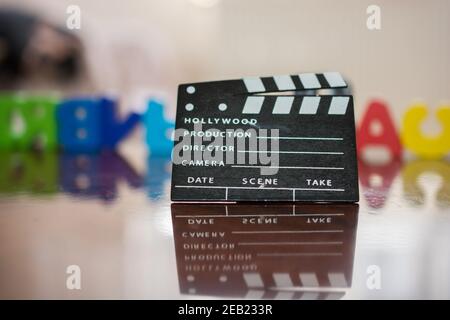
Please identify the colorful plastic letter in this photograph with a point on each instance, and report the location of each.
(378, 112)
(91, 124)
(7, 105)
(79, 125)
(421, 145)
(27, 122)
(40, 123)
(158, 130)
(112, 130)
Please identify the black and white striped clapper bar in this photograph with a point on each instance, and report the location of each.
(280, 138)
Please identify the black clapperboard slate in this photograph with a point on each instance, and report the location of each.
(317, 147)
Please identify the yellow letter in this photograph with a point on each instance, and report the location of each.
(414, 194)
(421, 145)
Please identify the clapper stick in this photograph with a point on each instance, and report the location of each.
(265, 139)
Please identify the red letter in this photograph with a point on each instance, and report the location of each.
(376, 191)
(378, 112)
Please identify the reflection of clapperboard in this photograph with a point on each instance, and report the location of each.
(316, 138)
(294, 252)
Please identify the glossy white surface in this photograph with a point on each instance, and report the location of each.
(125, 246)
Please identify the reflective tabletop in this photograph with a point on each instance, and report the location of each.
(93, 226)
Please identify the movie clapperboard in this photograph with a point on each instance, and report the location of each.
(280, 138)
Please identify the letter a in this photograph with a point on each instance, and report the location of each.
(378, 112)
(374, 18)
(74, 279)
(74, 19)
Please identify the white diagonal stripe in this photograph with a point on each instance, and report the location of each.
(309, 105)
(309, 81)
(283, 105)
(284, 82)
(253, 104)
(253, 279)
(338, 105)
(309, 279)
(254, 84)
(334, 79)
(282, 280)
(337, 280)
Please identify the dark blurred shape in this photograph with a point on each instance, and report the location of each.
(89, 175)
(265, 251)
(95, 175)
(28, 172)
(31, 47)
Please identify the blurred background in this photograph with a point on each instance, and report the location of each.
(115, 222)
(149, 46)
